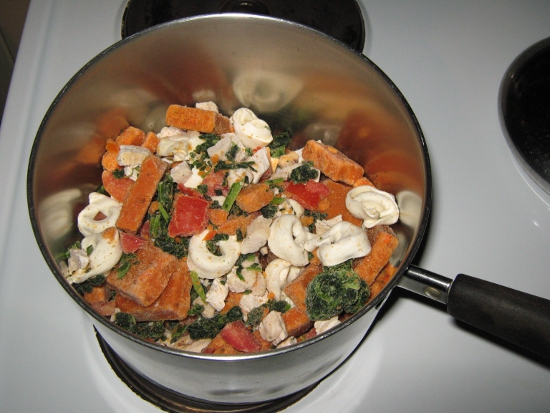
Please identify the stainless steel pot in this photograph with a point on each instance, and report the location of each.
(291, 76)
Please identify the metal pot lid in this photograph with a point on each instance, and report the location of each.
(342, 20)
(525, 111)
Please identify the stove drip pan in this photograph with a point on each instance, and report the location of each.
(525, 111)
(173, 402)
(340, 19)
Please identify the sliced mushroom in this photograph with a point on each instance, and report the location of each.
(286, 240)
(251, 131)
(373, 206)
(106, 252)
(110, 208)
(340, 243)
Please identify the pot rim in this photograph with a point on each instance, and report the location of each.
(376, 302)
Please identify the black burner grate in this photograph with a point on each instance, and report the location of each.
(340, 19)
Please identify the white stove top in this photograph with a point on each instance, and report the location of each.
(489, 220)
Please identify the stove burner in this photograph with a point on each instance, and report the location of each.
(173, 402)
(525, 111)
(340, 19)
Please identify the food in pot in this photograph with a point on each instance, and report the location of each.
(213, 236)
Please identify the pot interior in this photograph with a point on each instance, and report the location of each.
(293, 77)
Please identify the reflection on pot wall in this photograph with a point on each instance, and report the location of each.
(265, 91)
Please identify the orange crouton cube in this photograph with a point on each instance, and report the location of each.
(131, 136)
(332, 162)
(139, 197)
(296, 322)
(264, 345)
(296, 290)
(206, 121)
(217, 216)
(382, 279)
(98, 299)
(383, 242)
(236, 222)
(254, 197)
(172, 304)
(233, 299)
(151, 142)
(219, 346)
(336, 202)
(147, 277)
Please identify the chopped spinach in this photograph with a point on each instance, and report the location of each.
(213, 245)
(224, 166)
(88, 285)
(254, 317)
(210, 327)
(202, 189)
(119, 173)
(269, 210)
(281, 306)
(240, 235)
(316, 216)
(210, 139)
(279, 144)
(145, 329)
(337, 289)
(197, 309)
(160, 219)
(304, 173)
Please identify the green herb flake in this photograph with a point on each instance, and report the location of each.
(197, 286)
(273, 183)
(126, 262)
(278, 200)
(269, 211)
(232, 196)
(232, 153)
(163, 212)
(178, 332)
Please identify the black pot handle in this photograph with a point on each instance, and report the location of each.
(517, 317)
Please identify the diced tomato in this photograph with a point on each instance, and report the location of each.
(144, 231)
(309, 194)
(189, 191)
(240, 338)
(118, 188)
(189, 217)
(131, 243)
(214, 180)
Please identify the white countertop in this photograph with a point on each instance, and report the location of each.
(489, 220)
